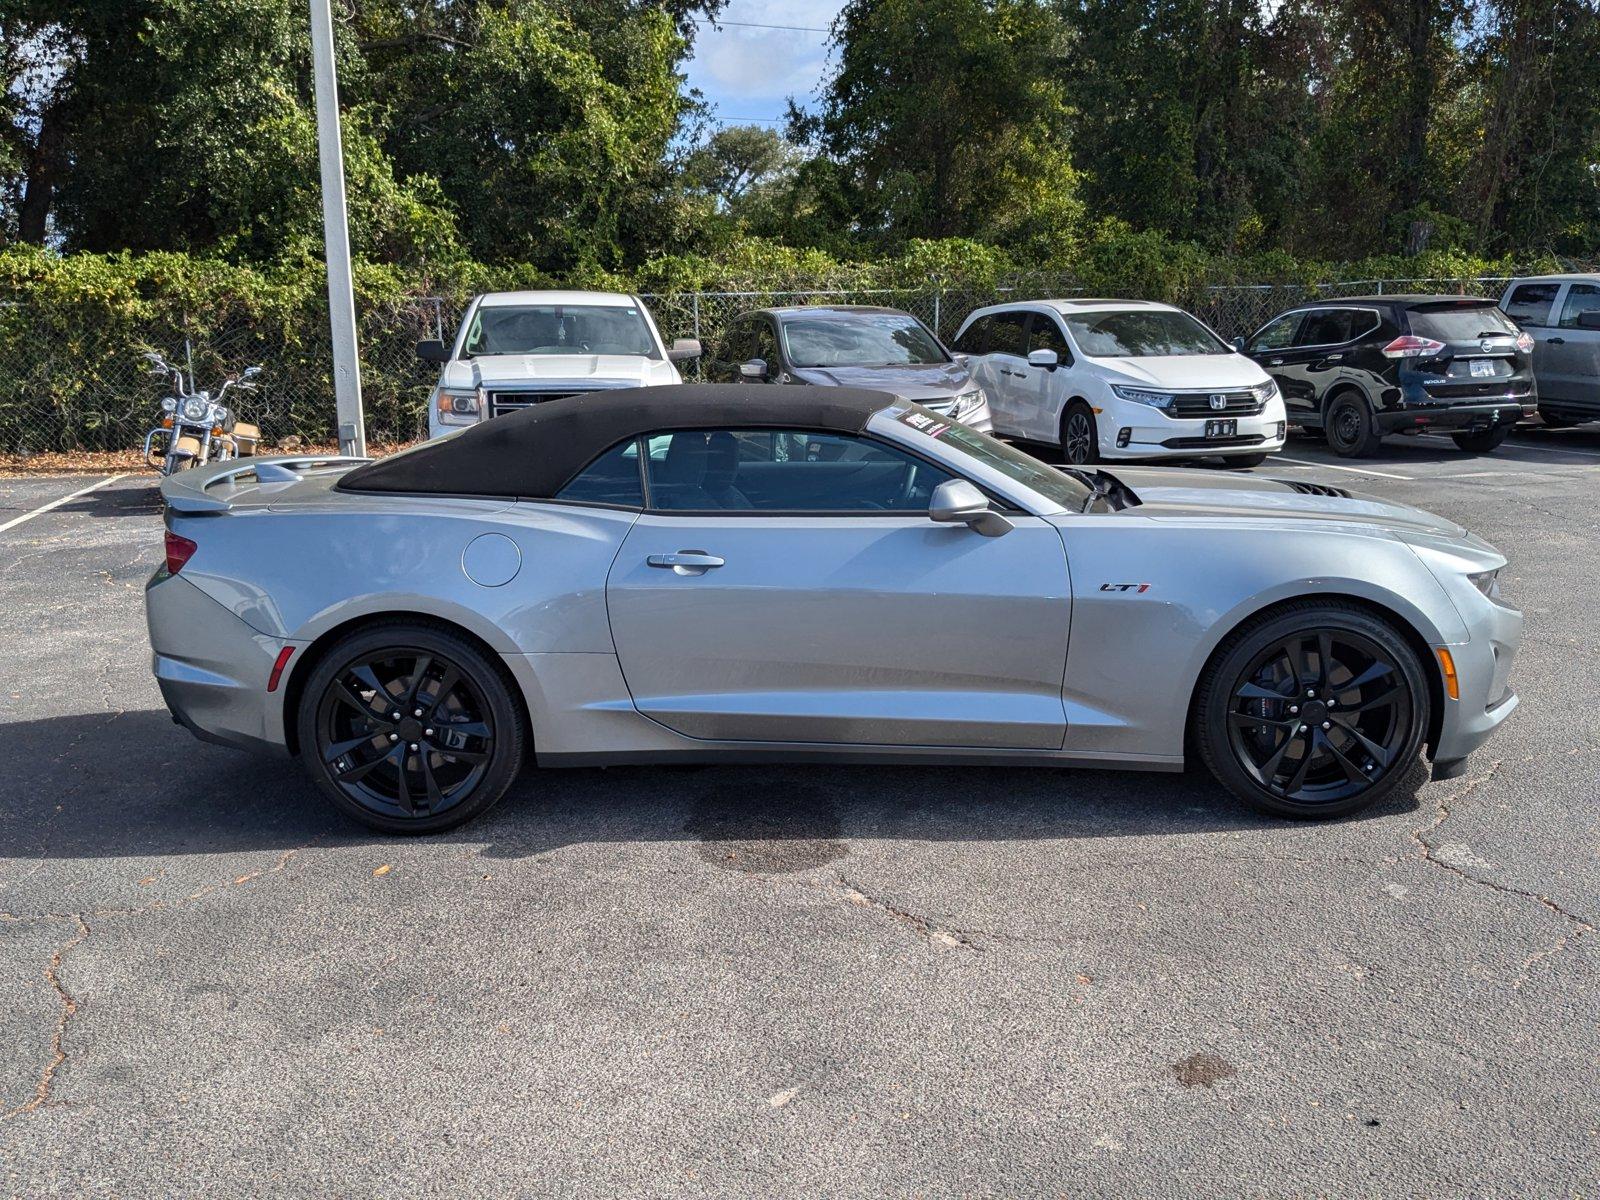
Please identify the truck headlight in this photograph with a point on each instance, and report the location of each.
(1143, 396)
(458, 407)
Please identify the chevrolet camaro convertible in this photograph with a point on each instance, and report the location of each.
(723, 574)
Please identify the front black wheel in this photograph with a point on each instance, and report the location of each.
(1317, 710)
(410, 728)
(1482, 441)
(1080, 438)
(1350, 428)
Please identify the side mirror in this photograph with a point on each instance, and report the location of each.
(957, 502)
(1048, 359)
(1590, 319)
(433, 351)
(1238, 344)
(754, 371)
(250, 373)
(683, 349)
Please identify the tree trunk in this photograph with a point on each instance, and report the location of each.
(45, 168)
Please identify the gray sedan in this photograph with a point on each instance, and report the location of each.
(708, 573)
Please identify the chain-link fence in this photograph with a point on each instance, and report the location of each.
(76, 388)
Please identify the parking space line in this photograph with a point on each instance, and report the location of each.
(1336, 467)
(1433, 437)
(44, 508)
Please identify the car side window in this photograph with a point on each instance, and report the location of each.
(1006, 334)
(786, 471)
(974, 338)
(1324, 327)
(1581, 298)
(613, 478)
(1045, 334)
(1276, 334)
(1530, 303)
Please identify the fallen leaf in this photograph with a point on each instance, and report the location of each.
(383, 870)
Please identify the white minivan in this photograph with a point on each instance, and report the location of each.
(1120, 379)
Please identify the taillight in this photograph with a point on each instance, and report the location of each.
(1525, 343)
(179, 551)
(1411, 346)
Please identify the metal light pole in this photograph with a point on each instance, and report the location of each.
(336, 237)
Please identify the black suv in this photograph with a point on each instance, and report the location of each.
(1369, 365)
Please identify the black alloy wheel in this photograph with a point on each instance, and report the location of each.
(1349, 427)
(1482, 441)
(1319, 711)
(410, 729)
(1080, 439)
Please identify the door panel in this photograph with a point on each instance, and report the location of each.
(1010, 406)
(1567, 362)
(860, 630)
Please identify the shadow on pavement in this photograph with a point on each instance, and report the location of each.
(136, 785)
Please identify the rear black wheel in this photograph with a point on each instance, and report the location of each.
(1556, 421)
(1482, 441)
(1350, 428)
(1080, 438)
(1317, 710)
(410, 728)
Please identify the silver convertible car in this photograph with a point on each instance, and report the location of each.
(761, 573)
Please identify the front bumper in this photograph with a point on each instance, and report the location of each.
(1150, 434)
(1483, 670)
(212, 668)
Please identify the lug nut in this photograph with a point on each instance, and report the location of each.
(427, 733)
(414, 746)
(1311, 693)
(394, 737)
(416, 712)
(1293, 709)
(1327, 724)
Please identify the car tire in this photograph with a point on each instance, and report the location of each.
(1482, 442)
(1353, 743)
(363, 753)
(1350, 428)
(1241, 462)
(1556, 421)
(1080, 435)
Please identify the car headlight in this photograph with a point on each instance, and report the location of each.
(1143, 396)
(1264, 391)
(1487, 582)
(196, 409)
(968, 403)
(456, 407)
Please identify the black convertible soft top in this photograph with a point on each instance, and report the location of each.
(536, 452)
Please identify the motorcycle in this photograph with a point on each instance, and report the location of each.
(197, 427)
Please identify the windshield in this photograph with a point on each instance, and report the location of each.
(1460, 322)
(1152, 334)
(860, 340)
(558, 329)
(1066, 490)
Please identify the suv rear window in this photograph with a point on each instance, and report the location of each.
(1453, 321)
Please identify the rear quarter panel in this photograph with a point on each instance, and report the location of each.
(1134, 656)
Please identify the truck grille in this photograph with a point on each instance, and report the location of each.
(1198, 404)
(501, 403)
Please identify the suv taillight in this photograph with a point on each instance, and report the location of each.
(1411, 346)
(179, 551)
(1525, 343)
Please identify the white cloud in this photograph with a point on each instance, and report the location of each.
(749, 72)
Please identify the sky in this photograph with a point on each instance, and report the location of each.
(747, 73)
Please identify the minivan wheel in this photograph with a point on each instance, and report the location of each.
(1349, 427)
(1482, 441)
(1316, 710)
(410, 728)
(1080, 438)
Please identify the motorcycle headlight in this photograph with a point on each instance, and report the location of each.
(195, 409)
(967, 403)
(170, 404)
(1264, 391)
(1143, 396)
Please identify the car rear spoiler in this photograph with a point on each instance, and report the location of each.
(212, 488)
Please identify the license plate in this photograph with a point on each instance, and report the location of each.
(1222, 429)
(1482, 368)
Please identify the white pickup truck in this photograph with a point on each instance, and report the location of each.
(518, 348)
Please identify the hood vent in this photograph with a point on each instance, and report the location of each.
(1313, 489)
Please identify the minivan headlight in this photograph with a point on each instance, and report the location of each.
(1264, 391)
(1143, 396)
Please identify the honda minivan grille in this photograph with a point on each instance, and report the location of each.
(1198, 404)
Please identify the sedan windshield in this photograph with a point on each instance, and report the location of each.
(559, 329)
(1148, 334)
(860, 340)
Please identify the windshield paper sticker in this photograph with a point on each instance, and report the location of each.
(923, 422)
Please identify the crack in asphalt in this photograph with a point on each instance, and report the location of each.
(1430, 853)
(58, 1049)
(922, 925)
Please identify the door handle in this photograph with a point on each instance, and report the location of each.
(686, 562)
(1555, 341)
(1274, 362)
(1333, 358)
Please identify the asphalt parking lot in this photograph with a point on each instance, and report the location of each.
(795, 981)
